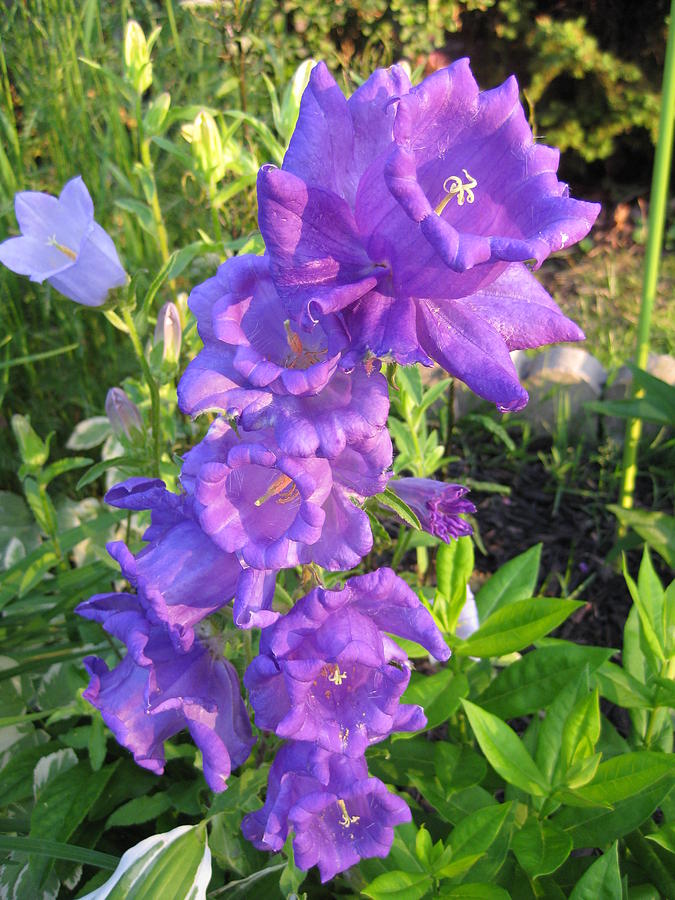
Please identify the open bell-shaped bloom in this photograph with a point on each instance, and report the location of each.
(411, 212)
(337, 813)
(275, 510)
(155, 692)
(61, 243)
(182, 576)
(328, 671)
(256, 366)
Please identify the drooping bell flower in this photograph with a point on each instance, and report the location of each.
(412, 212)
(255, 365)
(328, 671)
(276, 510)
(338, 814)
(182, 576)
(61, 243)
(155, 692)
(437, 505)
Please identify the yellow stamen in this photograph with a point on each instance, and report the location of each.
(336, 676)
(346, 819)
(455, 187)
(52, 242)
(283, 487)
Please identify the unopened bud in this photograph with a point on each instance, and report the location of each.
(169, 333)
(207, 146)
(123, 415)
(137, 56)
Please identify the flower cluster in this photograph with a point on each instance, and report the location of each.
(397, 229)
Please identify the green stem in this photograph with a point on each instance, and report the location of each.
(162, 235)
(657, 211)
(152, 387)
(174, 29)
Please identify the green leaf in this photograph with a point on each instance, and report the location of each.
(596, 827)
(581, 732)
(656, 528)
(541, 847)
(454, 565)
(602, 880)
(32, 449)
(624, 776)
(57, 850)
(515, 580)
(474, 835)
(505, 751)
(140, 211)
(389, 499)
(438, 695)
(474, 891)
(398, 885)
(620, 688)
(646, 613)
(98, 469)
(659, 392)
(409, 381)
(89, 433)
(61, 466)
(172, 268)
(142, 809)
(174, 864)
(292, 877)
(532, 683)
(664, 837)
(516, 626)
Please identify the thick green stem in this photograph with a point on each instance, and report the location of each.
(152, 387)
(657, 211)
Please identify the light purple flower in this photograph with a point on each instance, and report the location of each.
(182, 576)
(337, 813)
(411, 211)
(61, 243)
(275, 510)
(328, 671)
(256, 366)
(155, 692)
(437, 505)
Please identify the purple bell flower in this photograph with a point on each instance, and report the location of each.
(256, 366)
(328, 672)
(182, 576)
(437, 505)
(276, 510)
(61, 243)
(411, 211)
(338, 814)
(156, 692)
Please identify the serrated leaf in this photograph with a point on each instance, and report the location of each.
(174, 864)
(602, 880)
(541, 847)
(516, 626)
(515, 580)
(505, 751)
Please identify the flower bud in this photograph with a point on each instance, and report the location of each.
(124, 415)
(155, 118)
(168, 332)
(137, 56)
(207, 146)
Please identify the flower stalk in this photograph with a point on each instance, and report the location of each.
(655, 226)
(152, 387)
